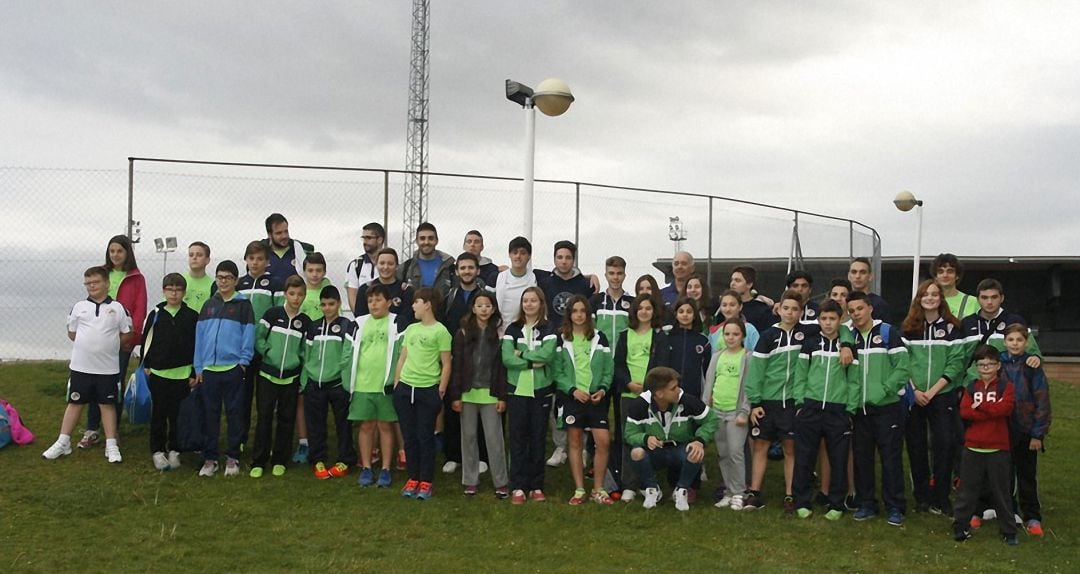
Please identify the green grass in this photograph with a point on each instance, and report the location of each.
(81, 514)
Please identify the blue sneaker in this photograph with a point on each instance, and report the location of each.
(384, 478)
(300, 456)
(367, 478)
(864, 514)
(896, 518)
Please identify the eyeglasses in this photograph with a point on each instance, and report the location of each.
(225, 277)
(986, 365)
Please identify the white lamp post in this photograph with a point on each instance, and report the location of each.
(553, 97)
(905, 201)
(164, 246)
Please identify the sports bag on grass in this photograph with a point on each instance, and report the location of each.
(137, 398)
(11, 427)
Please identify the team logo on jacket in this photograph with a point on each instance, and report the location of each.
(799, 336)
(877, 339)
(755, 431)
(939, 333)
(75, 396)
(396, 302)
(296, 324)
(335, 329)
(558, 304)
(570, 419)
(699, 349)
(1001, 327)
(625, 304)
(810, 313)
(264, 282)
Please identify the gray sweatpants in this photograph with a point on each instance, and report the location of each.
(470, 449)
(730, 439)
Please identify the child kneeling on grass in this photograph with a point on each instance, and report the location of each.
(668, 428)
(584, 368)
(423, 373)
(98, 325)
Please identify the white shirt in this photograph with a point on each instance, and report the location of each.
(508, 290)
(357, 274)
(97, 328)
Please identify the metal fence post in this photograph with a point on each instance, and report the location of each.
(794, 241)
(386, 204)
(708, 263)
(851, 239)
(577, 218)
(131, 198)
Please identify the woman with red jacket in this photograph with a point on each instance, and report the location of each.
(126, 285)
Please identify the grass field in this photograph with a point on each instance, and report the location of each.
(82, 514)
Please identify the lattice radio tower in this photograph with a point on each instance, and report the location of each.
(416, 157)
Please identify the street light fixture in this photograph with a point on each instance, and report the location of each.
(553, 97)
(905, 201)
(165, 246)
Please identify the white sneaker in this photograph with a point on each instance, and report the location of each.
(989, 514)
(449, 467)
(723, 502)
(113, 454)
(558, 457)
(483, 467)
(209, 468)
(736, 502)
(160, 462)
(652, 497)
(682, 499)
(174, 460)
(57, 450)
(628, 495)
(232, 467)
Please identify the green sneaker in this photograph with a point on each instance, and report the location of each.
(256, 472)
(834, 515)
(804, 513)
(279, 470)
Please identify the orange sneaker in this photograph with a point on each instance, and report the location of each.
(425, 492)
(975, 523)
(339, 470)
(410, 488)
(320, 471)
(579, 497)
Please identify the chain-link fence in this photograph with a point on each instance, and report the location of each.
(63, 219)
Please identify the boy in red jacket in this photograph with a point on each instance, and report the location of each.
(986, 463)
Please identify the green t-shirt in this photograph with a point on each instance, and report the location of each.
(277, 380)
(115, 277)
(310, 306)
(526, 382)
(424, 345)
(371, 370)
(638, 348)
(725, 394)
(198, 291)
(582, 370)
(969, 307)
(478, 397)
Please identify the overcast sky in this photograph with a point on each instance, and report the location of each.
(824, 106)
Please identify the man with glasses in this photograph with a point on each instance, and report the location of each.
(224, 345)
(361, 270)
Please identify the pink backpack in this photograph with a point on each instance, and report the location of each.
(19, 434)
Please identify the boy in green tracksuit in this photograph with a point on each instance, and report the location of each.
(611, 308)
(880, 372)
(315, 282)
(824, 401)
(327, 358)
(584, 367)
(264, 291)
(376, 346)
(987, 327)
(769, 390)
(667, 428)
(279, 338)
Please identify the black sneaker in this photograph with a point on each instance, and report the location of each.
(849, 502)
(1010, 539)
(789, 506)
(753, 501)
(960, 533)
(940, 511)
(822, 499)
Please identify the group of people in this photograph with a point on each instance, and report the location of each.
(635, 383)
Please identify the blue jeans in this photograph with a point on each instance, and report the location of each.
(223, 387)
(672, 458)
(417, 408)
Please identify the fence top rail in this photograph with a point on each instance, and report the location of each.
(131, 161)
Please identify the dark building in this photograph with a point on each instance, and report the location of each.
(1043, 290)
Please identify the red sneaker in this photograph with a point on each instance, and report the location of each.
(517, 498)
(538, 496)
(410, 488)
(1034, 527)
(425, 492)
(975, 523)
(339, 470)
(320, 471)
(579, 497)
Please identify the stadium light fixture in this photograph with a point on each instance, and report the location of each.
(905, 201)
(165, 246)
(553, 98)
